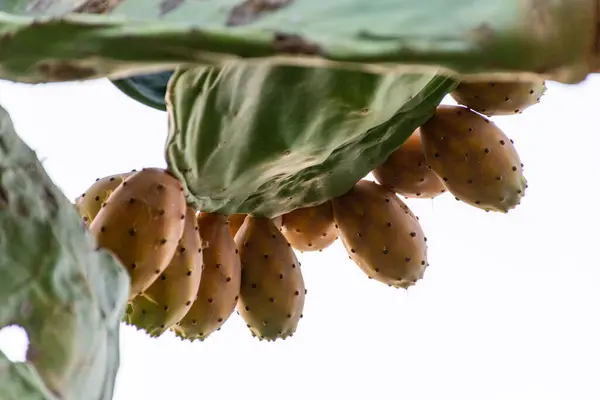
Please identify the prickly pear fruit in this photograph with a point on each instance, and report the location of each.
(141, 223)
(499, 98)
(310, 228)
(381, 234)
(90, 202)
(406, 172)
(476, 160)
(220, 283)
(272, 290)
(235, 222)
(170, 297)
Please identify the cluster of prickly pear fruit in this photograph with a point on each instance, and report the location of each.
(461, 151)
(190, 270)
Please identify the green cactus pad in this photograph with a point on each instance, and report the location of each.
(42, 41)
(261, 139)
(68, 296)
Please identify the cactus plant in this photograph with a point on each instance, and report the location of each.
(271, 109)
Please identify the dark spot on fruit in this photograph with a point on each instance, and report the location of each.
(436, 155)
(413, 234)
(220, 320)
(182, 216)
(133, 266)
(297, 293)
(336, 226)
(293, 265)
(157, 271)
(166, 308)
(97, 198)
(161, 212)
(498, 178)
(188, 303)
(352, 251)
(506, 99)
(272, 300)
(477, 202)
(163, 241)
(265, 256)
(422, 262)
(102, 229)
(163, 278)
(514, 168)
(236, 298)
(358, 234)
(289, 315)
(131, 200)
(385, 251)
(210, 300)
(194, 322)
(486, 150)
(236, 251)
(228, 279)
(407, 259)
(502, 142)
(189, 273)
(132, 232)
(387, 200)
(160, 186)
(182, 250)
(470, 181)
(253, 286)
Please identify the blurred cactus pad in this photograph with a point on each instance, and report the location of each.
(272, 105)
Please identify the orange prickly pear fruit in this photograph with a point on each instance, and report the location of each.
(310, 228)
(220, 285)
(406, 172)
(272, 289)
(89, 203)
(170, 297)
(381, 234)
(477, 162)
(141, 223)
(235, 222)
(499, 98)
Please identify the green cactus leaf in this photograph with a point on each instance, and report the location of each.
(43, 42)
(264, 139)
(68, 296)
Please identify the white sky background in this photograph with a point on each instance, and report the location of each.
(509, 308)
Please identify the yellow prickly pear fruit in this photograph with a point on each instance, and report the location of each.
(220, 284)
(170, 297)
(141, 223)
(381, 234)
(272, 290)
(499, 98)
(89, 203)
(406, 172)
(235, 222)
(310, 228)
(476, 160)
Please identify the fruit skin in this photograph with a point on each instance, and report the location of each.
(476, 160)
(170, 297)
(499, 98)
(220, 285)
(235, 222)
(381, 234)
(406, 172)
(141, 223)
(310, 228)
(272, 288)
(89, 203)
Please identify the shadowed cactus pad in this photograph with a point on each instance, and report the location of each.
(220, 285)
(381, 234)
(141, 223)
(67, 295)
(240, 142)
(171, 295)
(272, 289)
(476, 160)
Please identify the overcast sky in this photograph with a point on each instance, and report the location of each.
(509, 308)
